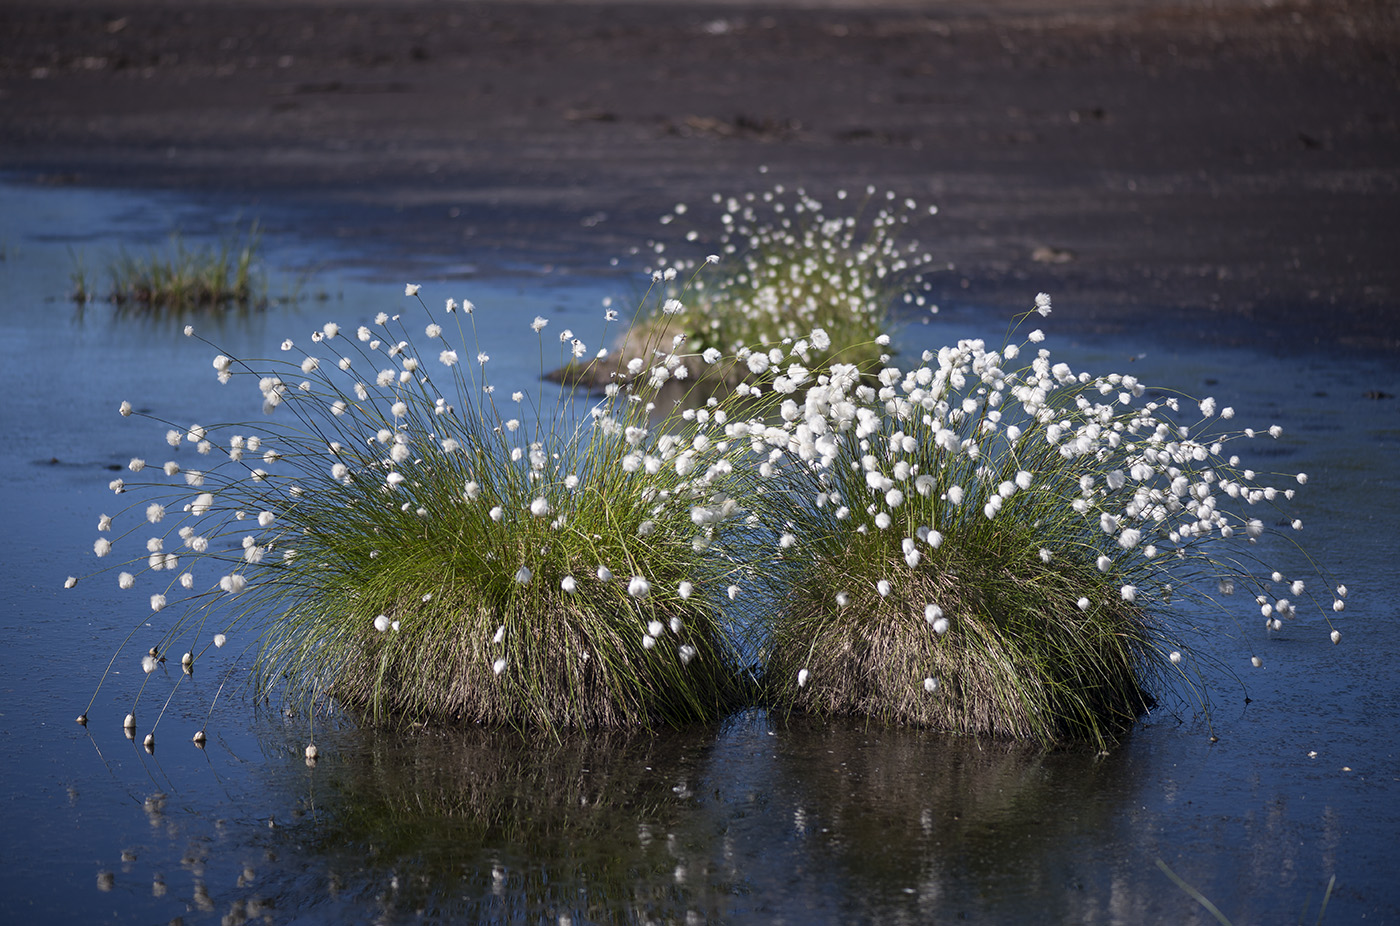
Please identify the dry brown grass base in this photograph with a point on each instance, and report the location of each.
(1024, 663)
(575, 671)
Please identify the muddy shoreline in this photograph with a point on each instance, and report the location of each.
(1227, 172)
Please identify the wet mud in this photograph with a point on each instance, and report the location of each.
(1222, 172)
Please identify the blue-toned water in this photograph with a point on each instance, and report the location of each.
(759, 820)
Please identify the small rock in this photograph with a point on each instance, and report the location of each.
(1048, 255)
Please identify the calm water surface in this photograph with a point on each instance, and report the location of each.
(758, 820)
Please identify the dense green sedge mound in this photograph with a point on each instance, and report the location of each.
(570, 600)
(429, 551)
(565, 588)
(988, 547)
(789, 265)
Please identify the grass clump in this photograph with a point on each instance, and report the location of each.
(984, 547)
(788, 267)
(183, 277)
(539, 574)
(431, 551)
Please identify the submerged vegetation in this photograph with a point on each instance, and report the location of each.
(983, 540)
(182, 277)
(1221, 918)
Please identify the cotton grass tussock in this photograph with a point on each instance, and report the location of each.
(788, 264)
(997, 547)
(400, 541)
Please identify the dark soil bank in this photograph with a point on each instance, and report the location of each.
(1228, 170)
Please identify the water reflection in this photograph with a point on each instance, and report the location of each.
(167, 317)
(492, 825)
(901, 825)
(763, 820)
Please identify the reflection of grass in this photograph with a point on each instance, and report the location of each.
(183, 276)
(81, 291)
(500, 827)
(910, 821)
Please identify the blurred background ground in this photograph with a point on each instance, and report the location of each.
(1227, 171)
